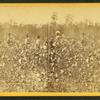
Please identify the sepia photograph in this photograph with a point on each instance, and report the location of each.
(50, 47)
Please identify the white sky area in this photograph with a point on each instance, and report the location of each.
(42, 14)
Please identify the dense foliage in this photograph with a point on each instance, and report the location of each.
(68, 61)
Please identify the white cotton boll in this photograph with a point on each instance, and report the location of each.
(87, 60)
(22, 52)
(22, 76)
(56, 75)
(54, 44)
(43, 73)
(37, 74)
(44, 47)
(70, 74)
(39, 79)
(69, 61)
(57, 80)
(75, 64)
(19, 61)
(62, 71)
(63, 49)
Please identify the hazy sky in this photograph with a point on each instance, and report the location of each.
(41, 13)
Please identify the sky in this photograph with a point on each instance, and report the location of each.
(39, 14)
